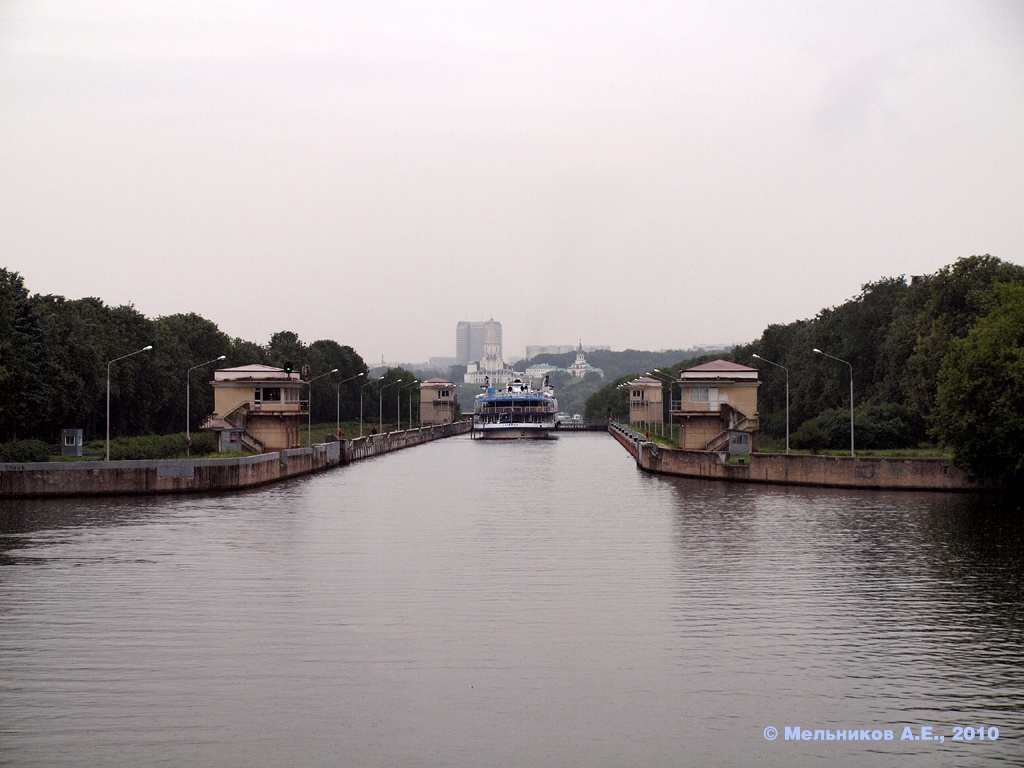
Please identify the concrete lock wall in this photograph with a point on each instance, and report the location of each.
(98, 478)
(798, 469)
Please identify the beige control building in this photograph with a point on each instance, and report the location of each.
(646, 401)
(437, 402)
(718, 407)
(257, 408)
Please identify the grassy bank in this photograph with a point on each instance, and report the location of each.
(668, 437)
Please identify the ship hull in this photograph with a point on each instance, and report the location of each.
(514, 432)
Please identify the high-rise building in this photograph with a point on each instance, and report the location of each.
(470, 337)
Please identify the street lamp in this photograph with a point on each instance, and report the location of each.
(819, 352)
(646, 420)
(629, 400)
(380, 404)
(309, 406)
(350, 378)
(787, 393)
(365, 384)
(188, 403)
(398, 395)
(144, 349)
(670, 381)
(455, 402)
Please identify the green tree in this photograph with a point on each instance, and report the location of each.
(979, 410)
(609, 400)
(939, 308)
(181, 342)
(75, 333)
(325, 355)
(383, 396)
(23, 388)
(243, 352)
(285, 347)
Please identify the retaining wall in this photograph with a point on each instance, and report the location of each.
(798, 469)
(103, 478)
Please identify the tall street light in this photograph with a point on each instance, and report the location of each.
(670, 381)
(366, 384)
(350, 378)
(787, 393)
(188, 402)
(629, 398)
(309, 406)
(819, 352)
(380, 405)
(137, 351)
(398, 393)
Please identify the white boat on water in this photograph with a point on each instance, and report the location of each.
(515, 412)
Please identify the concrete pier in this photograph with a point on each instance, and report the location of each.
(797, 469)
(121, 478)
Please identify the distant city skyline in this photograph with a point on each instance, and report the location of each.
(471, 336)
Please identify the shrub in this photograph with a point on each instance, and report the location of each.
(23, 451)
(876, 427)
(812, 436)
(148, 447)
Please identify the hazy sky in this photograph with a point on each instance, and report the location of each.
(637, 174)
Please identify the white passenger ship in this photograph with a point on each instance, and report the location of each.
(515, 412)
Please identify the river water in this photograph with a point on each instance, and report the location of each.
(467, 603)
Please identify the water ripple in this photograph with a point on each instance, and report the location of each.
(508, 604)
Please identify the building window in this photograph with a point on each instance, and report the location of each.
(291, 395)
(698, 394)
(638, 394)
(69, 439)
(267, 394)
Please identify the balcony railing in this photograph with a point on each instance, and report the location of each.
(278, 406)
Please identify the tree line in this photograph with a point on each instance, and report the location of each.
(936, 359)
(55, 352)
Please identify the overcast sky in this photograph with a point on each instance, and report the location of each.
(637, 174)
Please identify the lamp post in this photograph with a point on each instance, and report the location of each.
(398, 393)
(670, 381)
(365, 384)
(350, 378)
(309, 406)
(787, 393)
(455, 402)
(380, 404)
(137, 351)
(819, 352)
(188, 403)
(629, 399)
(646, 416)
